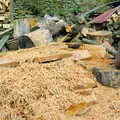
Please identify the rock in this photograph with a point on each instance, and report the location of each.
(40, 37)
(110, 77)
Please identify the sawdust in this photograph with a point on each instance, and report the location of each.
(33, 91)
(30, 90)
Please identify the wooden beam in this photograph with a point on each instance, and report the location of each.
(51, 58)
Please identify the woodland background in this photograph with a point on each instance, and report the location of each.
(53, 7)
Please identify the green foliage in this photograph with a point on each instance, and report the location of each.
(54, 7)
(25, 8)
(105, 1)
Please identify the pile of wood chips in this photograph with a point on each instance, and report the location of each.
(44, 89)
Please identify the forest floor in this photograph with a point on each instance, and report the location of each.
(42, 83)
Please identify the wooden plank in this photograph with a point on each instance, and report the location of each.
(4, 40)
(51, 58)
(8, 63)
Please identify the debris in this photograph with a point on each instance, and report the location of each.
(74, 45)
(80, 108)
(81, 55)
(5, 35)
(105, 16)
(97, 51)
(21, 28)
(4, 40)
(8, 63)
(85, 31)
(54, 25)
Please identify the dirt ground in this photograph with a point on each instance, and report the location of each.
(45, 91)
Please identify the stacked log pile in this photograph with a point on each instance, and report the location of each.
(4, 14)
